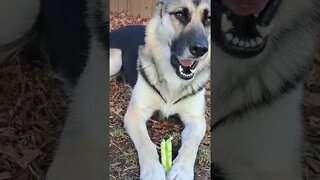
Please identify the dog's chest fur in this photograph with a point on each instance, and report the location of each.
(165, 92)
(243, 86)
(170, 101)
(257, 106)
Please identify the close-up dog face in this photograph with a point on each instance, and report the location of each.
(187, 25)
(249, 28)
(192, 21)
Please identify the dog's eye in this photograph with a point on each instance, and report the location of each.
(206, 18)
(178, 15)
(182, 15)
(207, 21)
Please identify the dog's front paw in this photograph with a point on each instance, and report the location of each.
(152, 172)
(180, 172)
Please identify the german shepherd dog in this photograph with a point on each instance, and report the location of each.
(73, 35)
(169, 76)
(262, 52)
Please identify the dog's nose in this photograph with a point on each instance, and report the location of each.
(198, 49)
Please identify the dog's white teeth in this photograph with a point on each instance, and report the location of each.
(229, 36)
(241, 43)
(226, 24)
(247, 44)
(259, 40)
(235, 40)
(253, 42)
(265, 31)
(186, 75)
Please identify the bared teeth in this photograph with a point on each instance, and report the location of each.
(226, 24)
(187, 75)
(253, 42)
(184, 74)
(235, 40)
(241, 43)
(247, 44)
(229, 36)
(265, 31)
(180, 69)
(259, 40)
(233, 37)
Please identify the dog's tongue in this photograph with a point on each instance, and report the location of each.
(245, 7)
(186, 62)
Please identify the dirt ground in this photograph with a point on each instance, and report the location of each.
(32, 112)
(33, 108)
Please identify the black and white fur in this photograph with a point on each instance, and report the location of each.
(160, 87)
(73, 35)
(257, 122)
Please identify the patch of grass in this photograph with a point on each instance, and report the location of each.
(204, 156)
(128, 156)
(117, 132)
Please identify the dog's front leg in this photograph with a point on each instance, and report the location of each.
(182, 168)
(135, 124)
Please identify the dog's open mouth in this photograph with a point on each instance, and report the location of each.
(242, 27)
(185, 68)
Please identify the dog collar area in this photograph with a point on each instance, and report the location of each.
(145, 77)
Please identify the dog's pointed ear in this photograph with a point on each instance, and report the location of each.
(161, 7)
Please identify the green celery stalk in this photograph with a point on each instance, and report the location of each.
(169, 152)
(166, 154)
(163, 155)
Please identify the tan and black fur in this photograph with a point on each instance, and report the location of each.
(171, 35)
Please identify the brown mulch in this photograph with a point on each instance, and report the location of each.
(119, 19)
(32, 111)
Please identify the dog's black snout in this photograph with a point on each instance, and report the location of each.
(198, 49)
